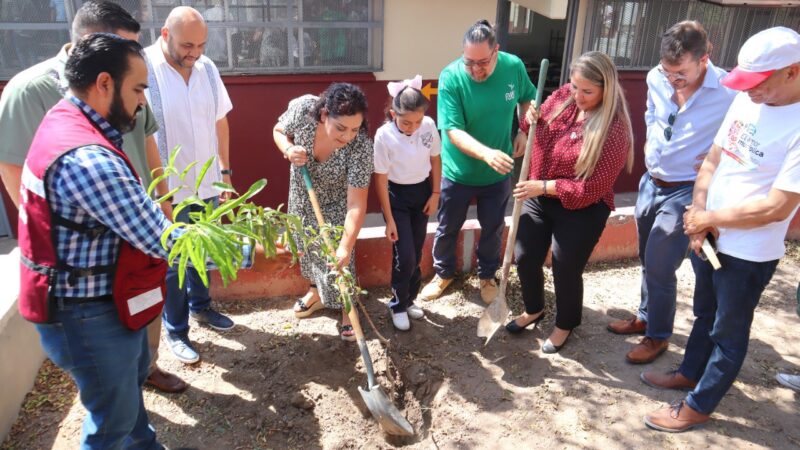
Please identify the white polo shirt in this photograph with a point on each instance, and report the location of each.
(406, 159)
(760, 151)
(187, 115)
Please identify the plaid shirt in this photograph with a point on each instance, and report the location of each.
(91, 185)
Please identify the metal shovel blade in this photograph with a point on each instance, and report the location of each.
(383, 410)
(493, 317)
(387, 415)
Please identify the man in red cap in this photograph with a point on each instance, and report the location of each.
(747, 191)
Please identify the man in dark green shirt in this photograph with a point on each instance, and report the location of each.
(478, 94)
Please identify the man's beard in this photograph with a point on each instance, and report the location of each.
(117, 116)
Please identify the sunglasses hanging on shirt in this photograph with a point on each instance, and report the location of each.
(671, 122)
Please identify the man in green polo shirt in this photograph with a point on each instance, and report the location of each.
(32, 92)
(478, 94)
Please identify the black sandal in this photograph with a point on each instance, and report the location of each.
(301, 310)
(347, 329)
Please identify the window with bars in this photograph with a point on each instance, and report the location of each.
(630, 31)
(244, 36)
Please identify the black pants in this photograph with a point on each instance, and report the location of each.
(407, 201)
(573, 234)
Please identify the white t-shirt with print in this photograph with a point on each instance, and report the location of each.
(406, 159)
(761, 151)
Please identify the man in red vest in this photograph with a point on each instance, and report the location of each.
(30, 94)
(89, 236)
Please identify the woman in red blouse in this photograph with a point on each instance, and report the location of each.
(583, 140)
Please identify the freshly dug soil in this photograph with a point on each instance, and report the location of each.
(278, 382)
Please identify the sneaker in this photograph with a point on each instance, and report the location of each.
(790, 381)
(182, 349)
(400, 320)
(488, 290)
(212, 318)
(415, 312)
(435, 288)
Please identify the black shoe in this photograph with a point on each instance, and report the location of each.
(548, 346)
(513, 328)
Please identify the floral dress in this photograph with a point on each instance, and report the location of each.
(350, 165)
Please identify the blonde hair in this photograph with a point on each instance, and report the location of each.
(598, 69)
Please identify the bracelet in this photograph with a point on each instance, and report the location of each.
(544, 182)
(436, 192)
(226, 172)
(286, 152)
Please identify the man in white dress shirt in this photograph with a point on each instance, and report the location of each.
(686, 103)
(190, 104)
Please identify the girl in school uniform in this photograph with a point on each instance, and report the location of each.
(408, 172)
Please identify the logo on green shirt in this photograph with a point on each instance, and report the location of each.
(510, 95)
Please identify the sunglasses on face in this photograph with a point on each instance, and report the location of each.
(481, 63)
(671, 122)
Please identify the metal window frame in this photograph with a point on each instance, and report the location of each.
(374, 24)
(737, 23)
(375, 27)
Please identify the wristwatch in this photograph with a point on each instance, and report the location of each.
(226, 172)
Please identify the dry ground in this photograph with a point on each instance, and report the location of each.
(278, 382)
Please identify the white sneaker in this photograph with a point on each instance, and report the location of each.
(415, 312)
(790, 381)
(400, 321)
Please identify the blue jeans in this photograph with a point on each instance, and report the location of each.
(407, 202)
(192, 296)
(109, 364)
(453, 205)
(662, 247)
(724, 302)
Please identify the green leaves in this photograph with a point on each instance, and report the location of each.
(216, 236)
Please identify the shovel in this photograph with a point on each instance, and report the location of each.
(382, 409)
(497, 312)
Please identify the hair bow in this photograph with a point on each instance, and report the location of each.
(395, 87)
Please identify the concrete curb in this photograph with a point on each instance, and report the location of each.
(374, 253)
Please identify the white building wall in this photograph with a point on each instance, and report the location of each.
(423, 36)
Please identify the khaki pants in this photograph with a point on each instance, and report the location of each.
(153, 339)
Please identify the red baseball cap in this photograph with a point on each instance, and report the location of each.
(761, 55)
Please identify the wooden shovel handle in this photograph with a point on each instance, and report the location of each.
(312, 195)
(523, 176)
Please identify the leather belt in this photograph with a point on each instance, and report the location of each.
(670, 184)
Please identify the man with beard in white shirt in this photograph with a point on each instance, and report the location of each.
(190, 104)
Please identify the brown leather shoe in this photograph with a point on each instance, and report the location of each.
(165, 381)
(669, 380)
(647, 350)
(629, 326)
(675, 418)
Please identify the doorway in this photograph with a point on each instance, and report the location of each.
(533, 36)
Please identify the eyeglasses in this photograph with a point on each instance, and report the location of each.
(671, 122)
(670, 75)
(481, 63)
